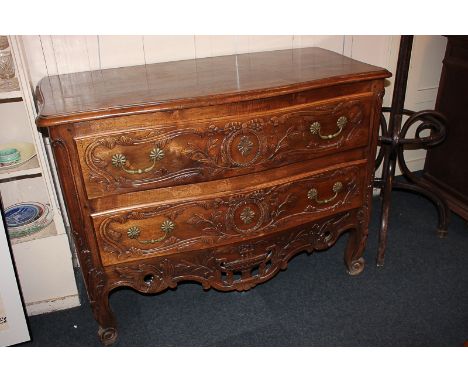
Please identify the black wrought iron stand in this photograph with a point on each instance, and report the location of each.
(393, 142)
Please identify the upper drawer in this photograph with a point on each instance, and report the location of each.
(202, 150)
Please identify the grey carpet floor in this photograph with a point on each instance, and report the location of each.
(419, 298)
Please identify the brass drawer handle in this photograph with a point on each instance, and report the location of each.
(119, 161)
(313, 193)
(316, 126)
(167, 227)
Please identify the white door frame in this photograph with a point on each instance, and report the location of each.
(13, 327)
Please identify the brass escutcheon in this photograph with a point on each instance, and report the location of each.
(247, 215)
(119, 161)
(313, 194)
(167, 227)
(340, 123)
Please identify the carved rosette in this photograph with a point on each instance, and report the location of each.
(247, 215)
(244, 143)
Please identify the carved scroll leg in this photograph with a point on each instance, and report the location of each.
(105, 317)
(354, 250)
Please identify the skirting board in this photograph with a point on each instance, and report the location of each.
(48, 306)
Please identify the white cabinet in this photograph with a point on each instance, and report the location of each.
(43, 259)
(13, 328)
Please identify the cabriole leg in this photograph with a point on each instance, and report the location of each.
(354, 251)
(105, 317)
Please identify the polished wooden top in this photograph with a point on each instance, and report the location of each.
(204, 81)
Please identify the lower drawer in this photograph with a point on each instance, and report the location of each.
(220, 219)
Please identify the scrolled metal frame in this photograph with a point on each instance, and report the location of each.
(393, 142)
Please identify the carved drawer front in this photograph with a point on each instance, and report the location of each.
(198, 151)
(217, 220)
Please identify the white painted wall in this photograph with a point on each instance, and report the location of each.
(49, 55)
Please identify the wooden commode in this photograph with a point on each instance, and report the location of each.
(216, 170)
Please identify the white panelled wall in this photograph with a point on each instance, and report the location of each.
(49, 55)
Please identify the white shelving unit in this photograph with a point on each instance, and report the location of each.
(31, 167)
(12, 95)
(44, 259)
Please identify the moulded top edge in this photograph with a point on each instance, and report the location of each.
(197, 82)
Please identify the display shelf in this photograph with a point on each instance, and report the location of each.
(10, 90)
(48, 231)
(30, 168)
(30, 190)
(10, 96)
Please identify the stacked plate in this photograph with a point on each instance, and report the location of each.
(24, 219)
(9, 156)
(16, 154)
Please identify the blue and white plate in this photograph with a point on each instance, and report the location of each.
(21, 214)
(31, 228)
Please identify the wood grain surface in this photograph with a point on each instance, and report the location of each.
(197, 82)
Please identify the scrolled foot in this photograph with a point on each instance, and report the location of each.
(108, 336)
(356, 267)
(380, 262)
(442, 233)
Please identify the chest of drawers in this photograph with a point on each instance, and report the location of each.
(215, 170)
